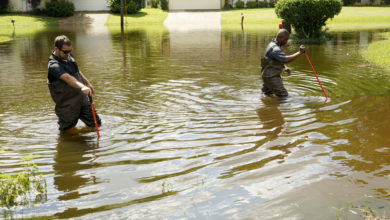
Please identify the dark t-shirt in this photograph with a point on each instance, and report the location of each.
(57, 67)
(274, 51)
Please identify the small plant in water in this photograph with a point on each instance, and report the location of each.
(22, 188)
(364, 212)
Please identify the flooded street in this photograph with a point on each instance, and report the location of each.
(187, 134)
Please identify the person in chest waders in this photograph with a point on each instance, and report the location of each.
(69, 88)
(273, 63)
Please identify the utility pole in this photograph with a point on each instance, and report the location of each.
(122, 14)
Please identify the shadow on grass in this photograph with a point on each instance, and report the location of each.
(137, 15)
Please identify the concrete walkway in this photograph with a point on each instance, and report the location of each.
(193, 20)
(84, 18)
(88, 21)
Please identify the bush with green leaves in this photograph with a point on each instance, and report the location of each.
(164, 5)
(227, 5)
(59, 8)
(21, 188)
(132, 6)
(251, 4)
(34, 4)
(4, 6)
(240, 4)
(271, 4)
(308, 17)
(154, 3)
(349, 2)
(262, 4)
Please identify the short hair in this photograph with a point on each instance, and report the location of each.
(62, 40)
(283, 32)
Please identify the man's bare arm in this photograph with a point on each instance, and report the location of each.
(73, 82)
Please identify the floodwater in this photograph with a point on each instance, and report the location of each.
(187, 134)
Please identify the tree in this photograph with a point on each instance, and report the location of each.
(308, 17)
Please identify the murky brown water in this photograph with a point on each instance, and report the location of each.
(187, 135)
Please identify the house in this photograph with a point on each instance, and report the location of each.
(175, 5)
(80, 5)
(101, 5)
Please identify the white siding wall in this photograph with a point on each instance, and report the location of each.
(194, 4)
(23, 5)
(90, 5)
(80, 5)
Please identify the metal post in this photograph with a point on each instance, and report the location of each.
(122, 14)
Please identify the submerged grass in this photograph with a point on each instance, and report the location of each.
(378, 52)
(350, 18)
(147, 16)
(22, 188)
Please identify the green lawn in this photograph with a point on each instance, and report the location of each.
(350, 18)
(256, 19)
(147, 16)
(24, 24)
(25, 21)
(361, 18)
(378, 52)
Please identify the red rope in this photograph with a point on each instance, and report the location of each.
(326, 97)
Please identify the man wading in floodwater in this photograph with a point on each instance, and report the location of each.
(273, 63)
(69, 88)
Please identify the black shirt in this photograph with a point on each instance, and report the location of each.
(57, 67)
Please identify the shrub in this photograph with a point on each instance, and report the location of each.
(164, 5)
(21, 188)
(307, 17)
(59, 8)
(240, 4)
(251, 4)
(34, 4)
(262, 4)
(140, 3)
(3, 6)
(227, 5)
(132, 6)
(154, 3)
(271, 4)
(349, 2)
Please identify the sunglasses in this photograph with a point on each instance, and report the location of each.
(66, 51)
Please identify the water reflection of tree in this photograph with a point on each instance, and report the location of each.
(74, 153)
(138, 49)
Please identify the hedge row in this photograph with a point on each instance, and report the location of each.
(255, 4)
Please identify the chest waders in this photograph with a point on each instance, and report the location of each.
(272, 81)
(71, 104)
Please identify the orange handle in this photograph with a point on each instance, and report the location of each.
(94, 116)
(307, 57)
